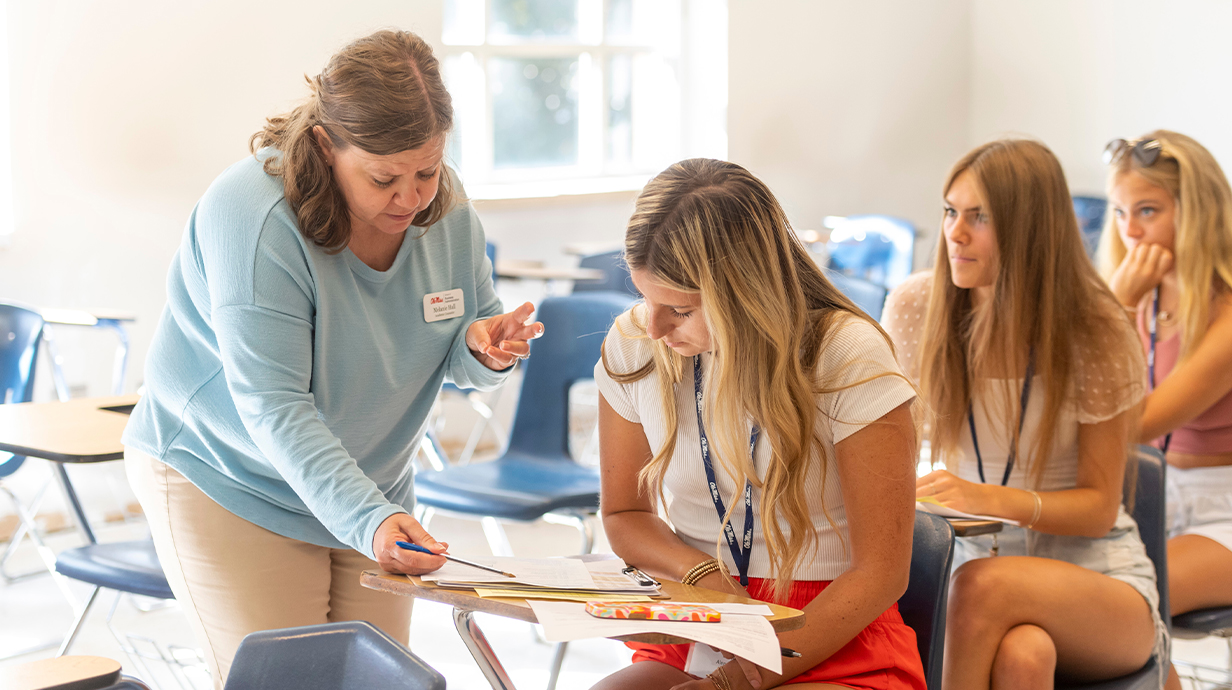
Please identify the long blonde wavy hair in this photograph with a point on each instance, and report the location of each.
(1203, 220)
(1047, 300)
(383, 94)
(710, 227)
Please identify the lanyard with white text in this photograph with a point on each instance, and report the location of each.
(740, 556)
(1022, 417)
(1150, 361)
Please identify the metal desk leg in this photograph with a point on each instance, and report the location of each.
(74, 503)
(464, 621)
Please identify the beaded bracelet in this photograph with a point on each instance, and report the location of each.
(699, 571)
(720, 680)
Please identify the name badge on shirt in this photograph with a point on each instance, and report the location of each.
(439, 306)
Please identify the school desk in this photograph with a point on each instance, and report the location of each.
(61, 673)
(466, 603)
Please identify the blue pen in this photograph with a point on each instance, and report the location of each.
(416, 547)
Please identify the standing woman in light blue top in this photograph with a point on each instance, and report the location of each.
(324, 289)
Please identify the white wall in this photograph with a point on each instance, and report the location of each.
(1076, 73)
(850, 107)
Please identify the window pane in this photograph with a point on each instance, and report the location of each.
(463, 22)
(523, 19)
(620, 110)
(534, 112)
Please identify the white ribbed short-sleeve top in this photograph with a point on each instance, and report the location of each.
(853, 350)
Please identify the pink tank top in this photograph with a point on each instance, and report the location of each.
(1209, 433)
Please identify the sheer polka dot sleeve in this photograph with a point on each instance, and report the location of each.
(903, 319)
(1110, 372)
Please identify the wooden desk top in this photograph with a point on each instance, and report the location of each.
(75, 431)
(972, 528)
(784, 618)
(61, 673)
(80, 317)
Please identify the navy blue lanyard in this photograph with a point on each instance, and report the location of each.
(1150, 360)
(740, 556)
(1022, 417)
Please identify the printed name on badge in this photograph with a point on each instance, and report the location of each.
(439, 306)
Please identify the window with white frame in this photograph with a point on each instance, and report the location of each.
(568, 96)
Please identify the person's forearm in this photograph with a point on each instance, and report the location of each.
(853, 601)
(1084, 512)
(644, 540)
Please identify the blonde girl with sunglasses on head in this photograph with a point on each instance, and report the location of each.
(1034, 377)
(757, 396)
(1167, 252)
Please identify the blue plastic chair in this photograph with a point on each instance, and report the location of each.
(876, 248)
(1090, 211)
(21, 331)
(1149, 514)
(869, 297)
(332, 656)
(615, 272)
(922, 606)
(474, 398)
(536, 475)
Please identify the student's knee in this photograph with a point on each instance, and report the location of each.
(976, 583)
(1026, 652)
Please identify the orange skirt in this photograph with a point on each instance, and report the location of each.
(883, 656)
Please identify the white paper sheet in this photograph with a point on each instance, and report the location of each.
(930, 505)
(750, 637)
(561, 573)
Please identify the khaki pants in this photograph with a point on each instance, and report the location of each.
(232, 577)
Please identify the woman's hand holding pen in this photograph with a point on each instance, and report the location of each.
(737, 674)
(394, 559)
(501, 340)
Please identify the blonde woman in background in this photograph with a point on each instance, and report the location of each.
(1167, 252)
(744, 363)
(1035, 376)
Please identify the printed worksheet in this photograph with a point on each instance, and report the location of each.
(928, 504)
(750, 637)
(556, 573)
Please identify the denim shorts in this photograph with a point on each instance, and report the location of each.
(1200, 502)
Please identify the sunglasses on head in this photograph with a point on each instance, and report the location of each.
(1145, 152)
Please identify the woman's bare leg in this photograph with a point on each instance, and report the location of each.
(644, 675)
(1199, 577)
(1033, 617)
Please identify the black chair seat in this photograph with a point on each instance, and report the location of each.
(515, 487)
(1145, 678)
(1217, 621)
(127, 566)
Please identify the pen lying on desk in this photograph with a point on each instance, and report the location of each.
(416, 547)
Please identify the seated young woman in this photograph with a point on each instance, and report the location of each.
(1167, 252)
(745, 392)
(1034, 375)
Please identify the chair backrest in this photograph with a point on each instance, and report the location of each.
(877, 248)
(615, 271)
(573, 330)
(1149, 514)
(490, 250)
(353, 654)
(1090, 212)
(868, 296)
(923, 604)
(21, 330)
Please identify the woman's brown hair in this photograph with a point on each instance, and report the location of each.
(383, 94)
(1048, 303)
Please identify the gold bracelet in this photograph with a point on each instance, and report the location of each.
(719, 678)
(699, 571)
(1035, 514)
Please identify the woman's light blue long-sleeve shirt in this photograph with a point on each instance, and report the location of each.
(292, 385)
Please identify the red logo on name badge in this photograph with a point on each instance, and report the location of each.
(436, 300)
